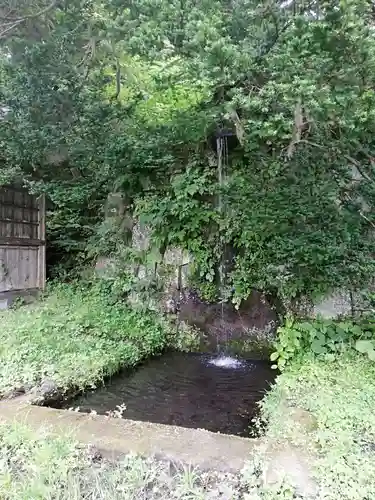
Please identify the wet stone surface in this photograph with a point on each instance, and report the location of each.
(256, 320)
(187, 390)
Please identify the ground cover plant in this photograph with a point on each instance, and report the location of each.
(74, 337)
(45, 467)
(340, 394)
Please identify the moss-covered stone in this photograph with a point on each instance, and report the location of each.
(251, 348)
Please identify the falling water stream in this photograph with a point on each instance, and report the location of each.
(214, 392)
(222, 360)
(222, 155)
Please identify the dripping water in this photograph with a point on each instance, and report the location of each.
(222, 164)
(220, 151)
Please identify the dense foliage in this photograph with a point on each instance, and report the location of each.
(339, 397)
(75, 338)
(323, 338)
(103, 98)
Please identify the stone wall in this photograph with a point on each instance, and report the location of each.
(253, 323)
(162, 283)
(168, 272)
(164, 286)
(168, 279)
(339, 303)
(343, 303)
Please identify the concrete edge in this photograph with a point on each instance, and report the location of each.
(115, 438)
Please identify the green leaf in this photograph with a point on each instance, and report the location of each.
(281, 363)
(346, 327)
(274, 356)
(331, 333)
(357, 330)
(306, 326)
(329, 357)
(364, 346)
(297, 343)
(318, 347)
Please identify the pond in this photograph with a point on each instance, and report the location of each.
(218, 394)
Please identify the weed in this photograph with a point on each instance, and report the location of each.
(75, 338)
(325, 338)
(44, 466)
(341, 396)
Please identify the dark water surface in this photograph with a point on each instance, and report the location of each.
(186, 390)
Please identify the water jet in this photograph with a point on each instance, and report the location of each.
(200, 391)
(223, 361)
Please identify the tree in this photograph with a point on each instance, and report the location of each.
(122, 99)
(21, 15)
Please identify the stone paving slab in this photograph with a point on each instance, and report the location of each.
(115, 437)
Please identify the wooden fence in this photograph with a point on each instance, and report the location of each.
(22, 244)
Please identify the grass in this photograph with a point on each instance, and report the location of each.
(75, 338)
(341, 396)
(45, 467)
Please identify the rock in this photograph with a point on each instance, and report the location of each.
(28, 387)
(341, 303)
(94, 454)
(14, 393)
(335, 305)
(170, 306)
(141, 237)
(287, 464)
(47, 388)
(222, 491)
(367, 446)
(306, 420)
(105, 268)
(45, 391)
(301, 307)
(177, 257)
(256, 319)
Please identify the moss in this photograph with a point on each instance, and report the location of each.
(185, 338)
(251, 348)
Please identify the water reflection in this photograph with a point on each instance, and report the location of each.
(189, 390)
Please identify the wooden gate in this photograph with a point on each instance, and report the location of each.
(22, 244)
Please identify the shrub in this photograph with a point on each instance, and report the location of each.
(323, 337)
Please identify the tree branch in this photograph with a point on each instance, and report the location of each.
(118, 79)
(348, 198)
(297, 128)
(17, 21)
(353, 161)
(8, 29)
(8, 15)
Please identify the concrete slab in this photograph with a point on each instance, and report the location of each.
(4, 304)
(115, 437)
(7, 298)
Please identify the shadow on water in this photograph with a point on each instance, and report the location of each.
(188, 390)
